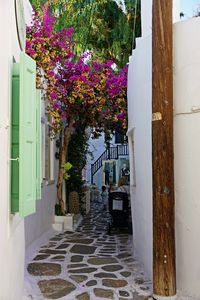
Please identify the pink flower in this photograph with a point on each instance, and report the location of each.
(53, 95)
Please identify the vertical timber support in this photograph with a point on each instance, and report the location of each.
(164, 273)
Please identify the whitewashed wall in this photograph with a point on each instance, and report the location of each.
(41, 221)
(187, 153)
(186, 150)
(146, 15)
(139, 129)
(12, 235)
(176, 10)
(96, 147)
(139, 108)
(11, 227)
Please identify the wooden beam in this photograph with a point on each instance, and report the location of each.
(164, 274)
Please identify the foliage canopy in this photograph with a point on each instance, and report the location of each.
(79, 92)
(101, 26)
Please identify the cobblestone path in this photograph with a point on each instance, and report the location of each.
(87, 265)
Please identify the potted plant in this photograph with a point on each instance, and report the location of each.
(64, 221)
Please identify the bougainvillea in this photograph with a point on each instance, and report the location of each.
(79, 93)
(48, 47)
(87, 90)
(90, 93)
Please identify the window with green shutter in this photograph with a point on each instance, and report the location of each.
(23, 144)
(38, 146)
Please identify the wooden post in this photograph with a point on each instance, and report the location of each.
(164, 274)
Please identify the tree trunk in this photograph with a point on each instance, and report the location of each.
(164, 274)
(63, 158)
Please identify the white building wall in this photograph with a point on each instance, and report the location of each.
(41, 221)
(12, 233)
(146, 16)
(96, 147)
(176, 10)
(187, 150)
(11, 227)
(139, 108)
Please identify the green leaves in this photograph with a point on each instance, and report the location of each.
(101, 26)
(67, 166)
(66, 176)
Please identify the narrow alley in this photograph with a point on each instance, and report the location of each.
(99, 151)
(87, 264)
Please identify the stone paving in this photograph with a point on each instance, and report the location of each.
(88, 265)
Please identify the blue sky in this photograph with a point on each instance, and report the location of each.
(188, 7)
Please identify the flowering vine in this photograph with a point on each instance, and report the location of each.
(79, 93)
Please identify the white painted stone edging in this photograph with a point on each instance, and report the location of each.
(70, 221)
(164, 297)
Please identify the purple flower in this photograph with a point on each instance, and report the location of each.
(121, 116)
(51, 73)
(53, 95)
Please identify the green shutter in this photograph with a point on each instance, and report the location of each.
(15, 140)
(38, 146)
(23, 171)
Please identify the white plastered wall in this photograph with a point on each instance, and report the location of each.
(139, 113)
(41, 221)
(187, 154)
(186, 151)
(12, 235)
(96, 147)
(11, 227)
(139, 131)
(139, 108)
